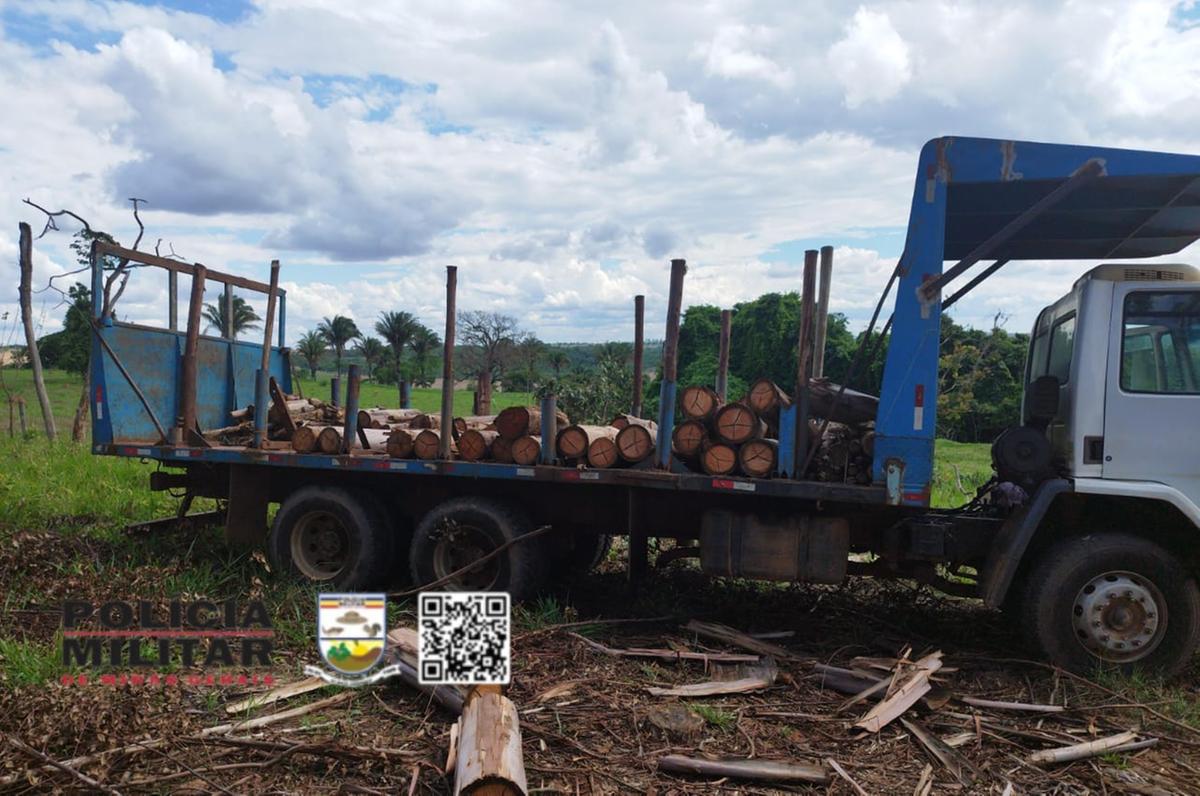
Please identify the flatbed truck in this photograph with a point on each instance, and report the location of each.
(1086, 536)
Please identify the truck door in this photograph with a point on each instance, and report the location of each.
(1152, 400)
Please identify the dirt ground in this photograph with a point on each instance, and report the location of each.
(598, 730)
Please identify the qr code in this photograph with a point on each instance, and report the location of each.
(463, 638)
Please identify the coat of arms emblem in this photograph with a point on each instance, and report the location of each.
(352, 630)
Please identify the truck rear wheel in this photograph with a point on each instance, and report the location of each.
(463, 530)
(1111, 599)
(331, 537)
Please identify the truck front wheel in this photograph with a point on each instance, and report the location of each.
(461, 531)
(331, 537)
(1111, 599)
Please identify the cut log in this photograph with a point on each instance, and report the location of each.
(476, 445)
(477, 422)
(855, 407)
(385, 418)
(376, 439)
(280, 413)
(425, 446)
(1082, 751)
(400, 443)
(761, 770)
(425, 420)
(747, 678)
(502, 450)
(573, 441)
(688, 438)
(757, 457)
(602, 453)
(517, 421)
(737, 638)
(766, 398)
(868, 444)
(526, 449)
(698, 402)
(717, 458)
(489, 756)
(736, 423)
(621, 421)
(635, 443)
(304, 438)
(329, 440)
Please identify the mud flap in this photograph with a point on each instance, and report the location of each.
(246, 518)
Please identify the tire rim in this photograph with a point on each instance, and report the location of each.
(1120, 616)
(459, 547)
(320, 545)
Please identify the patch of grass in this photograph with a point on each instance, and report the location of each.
(968, 463)
(544, 612)
(29, 662)
(1176, 701)
(717, 717)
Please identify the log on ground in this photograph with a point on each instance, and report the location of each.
(489, 758)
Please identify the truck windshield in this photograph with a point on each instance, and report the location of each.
(1160, 350)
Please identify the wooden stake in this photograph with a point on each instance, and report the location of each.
(190, 375)
(448, 363)
(723, 356)
(35, 359)
(639, 323)
(666, 408)
(822, 314)
(804, 360)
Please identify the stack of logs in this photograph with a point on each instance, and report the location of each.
(286, 415)
(625, 441)
(513, 437)
(743, 436)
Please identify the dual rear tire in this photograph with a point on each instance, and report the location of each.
(343, 539)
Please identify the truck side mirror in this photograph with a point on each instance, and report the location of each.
(1042, 401)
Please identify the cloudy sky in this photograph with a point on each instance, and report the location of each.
(559, 154)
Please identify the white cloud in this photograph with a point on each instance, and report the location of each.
(872, 60)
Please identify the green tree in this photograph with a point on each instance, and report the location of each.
(70, 348)
(423, 344)
(557, 359)
(372, 351)
(338, 331)
(244, 316)
(311, 346)
(398, 328)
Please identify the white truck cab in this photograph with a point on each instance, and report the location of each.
(1113, 523)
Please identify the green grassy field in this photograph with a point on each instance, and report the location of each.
(425, 399)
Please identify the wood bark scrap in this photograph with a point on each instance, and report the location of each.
(489, 758)
(402, 649)
(1082, 751)
(760, 770)
(960, 767)
(283, 692)
(751, 678)
(1026, 707)
(275, 718)
(737, 638)
(667, 654)
(910, 687)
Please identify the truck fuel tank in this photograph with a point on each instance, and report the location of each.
(791, 548)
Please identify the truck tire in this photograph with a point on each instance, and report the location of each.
(579, 554)
(464, 529)
(332, 537)
(1115, 600)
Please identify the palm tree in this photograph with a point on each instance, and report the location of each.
(311, 346)
(398, 328)
(371, 351)
(244, 316)
(338, 331)
(422, 345)
(558, 360)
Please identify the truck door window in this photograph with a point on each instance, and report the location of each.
(1161, 342)
(1062, 343)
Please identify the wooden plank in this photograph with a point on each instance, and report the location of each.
(180, 267)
